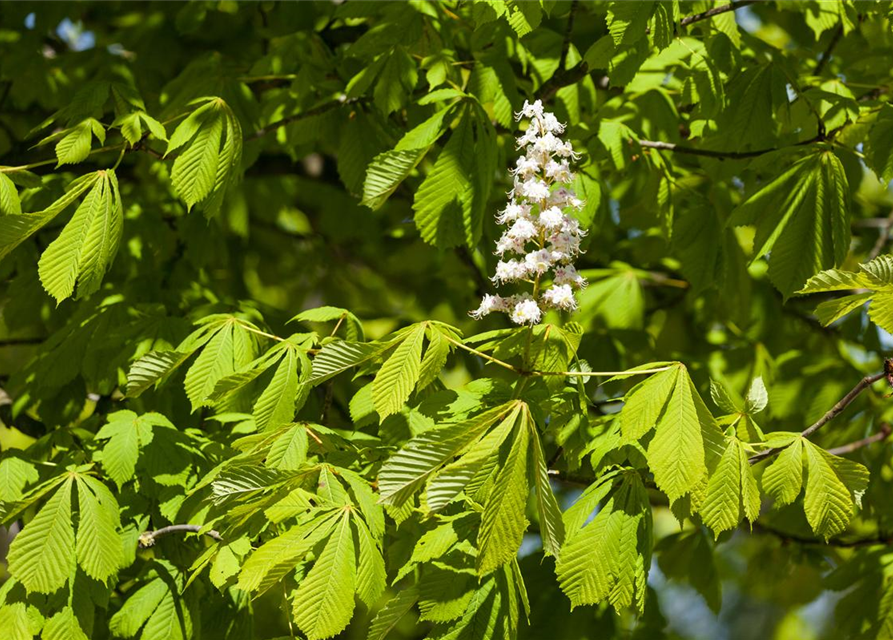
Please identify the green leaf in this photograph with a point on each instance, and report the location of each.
(645, 403)
(783, 479)
(551, 524)
(151, 369)
(10, 205)
(137, 609)
(74, 145)
(407, 469)
(276, 405)
(339, 356)
(274, 559)
(100, 551)
(628, 21)
(218, 359)
(676, 454)
(15, 474)
(371, 574)
(802, 218)
(389, 615)
(444, 200)
(397, 79)
(757, 397)
(503, 522)
(85, 249)
(63, 626)
(397, 377)
(732, 491)
(386, 172)
(42, 556)
(833, 488)
(324, 601)
(608, 558)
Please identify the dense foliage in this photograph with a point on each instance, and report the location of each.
(243, 395)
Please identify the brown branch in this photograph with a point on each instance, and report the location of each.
(721, 155)
(826, 54)
(883, 237)
(147, 538)
(733, 6)
(566, 45)
(832, 413)
(786, 537)
(880, 436)
(323, 108)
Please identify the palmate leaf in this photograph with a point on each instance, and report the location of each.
(503, 522)
(157, 607)
(386, 172)
(126, 433)
(151, 369)
(229, 348)
(87, 245)
(42, 556)
(100, 551)
(212, 156)
(137, 609)
(278, 402)
(877, 276)
(551, 524)
(63, 625)
(783, 479)
(339, 356)
(15, 474)
(73, 144)
(15, 621)
(444, 199)
(267, 565)
(802, 218)
(397, 377)
(407, 469)
(324, 601)
(390, 614)
(10, 205)
(608, 558)
(834, 486)
(732, 492)
(371, 573)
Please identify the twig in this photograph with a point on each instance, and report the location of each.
(833, 412)
(483, 355)
(880, 539)
(826, 54)
(881, 435)
(566, 45)
(147, 538)
(732, 6)
(883, 237)
(564, 77)
(323, 108)
(710, 153)
(598, 373)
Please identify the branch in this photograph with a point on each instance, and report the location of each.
(710, 153)
(880, 436)
(832, 413)
(882, 238)
(880, 539)
(565, 77)
(733, 6)
(323, 108)
(147, 539)
(826, 54)
(565, 47)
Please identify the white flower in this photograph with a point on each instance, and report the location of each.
(568, 275)
(550, 123)
(535, 189)
(527, 167)
(512, 212)
(538, 262)
(547, 143)
(489, 304)
(528, 137)
(566, 150)
(510, 270)
(561, 296)
(507, 244)
(566, 243)
(559, 171)
(552, 219)
(527, 311)
(522, 229)
(534, 110)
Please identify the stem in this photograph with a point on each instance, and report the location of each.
(880, 436)
(833, 412)
(261, 333)
(505, 365)
(599, 373)
(147, 539)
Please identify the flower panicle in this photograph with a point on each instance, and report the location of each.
(541, 240)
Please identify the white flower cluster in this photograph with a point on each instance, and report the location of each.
(540, 238)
